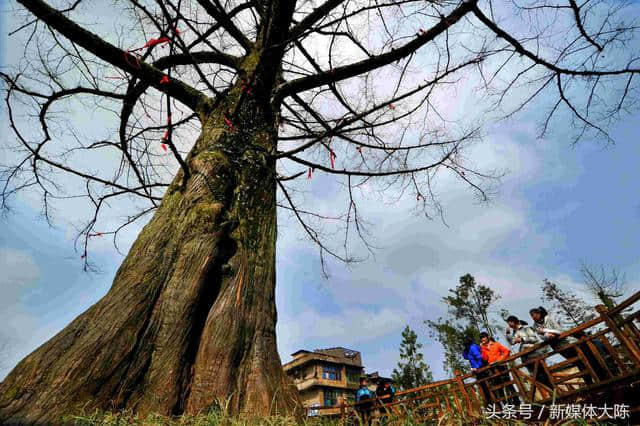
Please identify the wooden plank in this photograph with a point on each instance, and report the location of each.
(502, 385)
(625, 304)
(585, 361)
(628, 345)
(549, 375)
(596, 353)
(571, 376)
(534, 382)
(563, 364)
(614, 353)
(457, 402)
(635, 375)
(463, 391)
(521, 389)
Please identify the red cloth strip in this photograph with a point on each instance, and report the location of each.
(229, 124)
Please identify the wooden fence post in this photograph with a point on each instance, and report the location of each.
(463, 391)
(620, 335)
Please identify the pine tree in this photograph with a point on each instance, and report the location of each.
(414, 371)
(468, 315)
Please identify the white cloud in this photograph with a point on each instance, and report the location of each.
(19, 271)
(350, 327)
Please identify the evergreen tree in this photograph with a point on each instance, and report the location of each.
(468, 315)
(414, 371)
(572, 309)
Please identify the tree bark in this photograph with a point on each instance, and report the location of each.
(190, 318)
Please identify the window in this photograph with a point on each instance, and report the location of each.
(330, 397)
(353, 376)
(330, 372)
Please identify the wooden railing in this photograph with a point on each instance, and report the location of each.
(600, 362)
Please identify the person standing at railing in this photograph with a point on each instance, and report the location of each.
(364, 401)
(384, 393)
(550, 330)
(519, 332)
(473, 353)
(494, 352)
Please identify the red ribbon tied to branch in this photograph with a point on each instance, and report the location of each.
(155, 41)
(332, 155)
(310, 173)
(245, 87)
(165, 138)
(229, 124)
(164, 79)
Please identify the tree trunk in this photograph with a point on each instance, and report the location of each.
(190, 318)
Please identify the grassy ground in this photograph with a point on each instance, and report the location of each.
(220, 419)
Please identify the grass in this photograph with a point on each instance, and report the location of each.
(218, 418)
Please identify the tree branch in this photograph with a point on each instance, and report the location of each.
(125, 61)
(369, 64)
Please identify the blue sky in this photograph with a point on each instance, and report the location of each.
(558, 206)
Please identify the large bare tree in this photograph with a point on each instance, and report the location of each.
(225, 110)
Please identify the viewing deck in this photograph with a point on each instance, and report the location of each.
(595, 378)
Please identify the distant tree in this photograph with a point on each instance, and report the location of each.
(413, 372)
(452, 338)
(470, 301)
(603, 285)
(468, 315)
(573, 309)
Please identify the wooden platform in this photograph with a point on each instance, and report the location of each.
(599, 379)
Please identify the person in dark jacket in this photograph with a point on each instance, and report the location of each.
(384, 393)
(364, 401)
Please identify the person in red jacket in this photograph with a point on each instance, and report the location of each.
(494, 352)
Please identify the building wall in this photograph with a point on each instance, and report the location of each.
(312, 397)
(307, 375)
